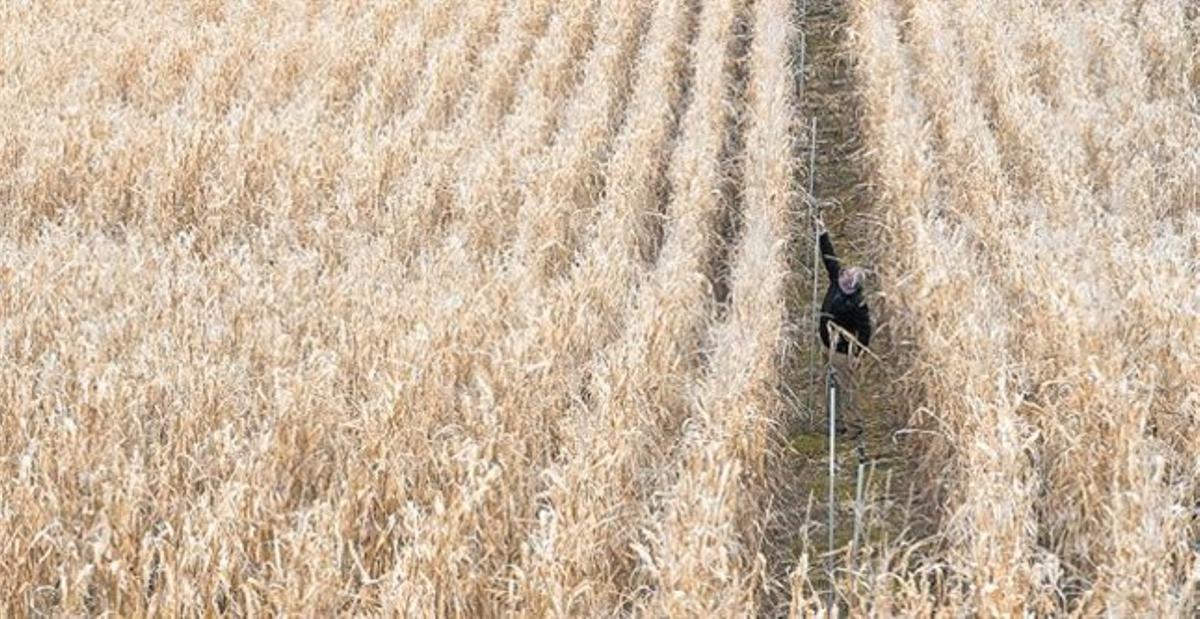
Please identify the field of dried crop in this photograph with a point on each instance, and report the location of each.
(1037, 173)
(499, 308)
(429, 307)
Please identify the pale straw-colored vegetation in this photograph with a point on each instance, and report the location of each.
(1036, 168)
(398, 307)
(489, 308)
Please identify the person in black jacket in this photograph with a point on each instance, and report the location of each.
(844, 304)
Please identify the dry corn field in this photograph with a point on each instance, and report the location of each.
(1037, 166)
(499, 308)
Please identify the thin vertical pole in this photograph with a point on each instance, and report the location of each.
(812, 156)
(831, 380)
(816, 257)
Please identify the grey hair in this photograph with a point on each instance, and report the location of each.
(851, 279)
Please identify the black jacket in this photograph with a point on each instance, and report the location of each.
(849, 312)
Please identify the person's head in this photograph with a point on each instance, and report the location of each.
(851, 279)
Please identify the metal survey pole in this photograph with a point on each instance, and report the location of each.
(831, 384)
(813, 214)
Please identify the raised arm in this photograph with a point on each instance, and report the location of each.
(832, 266)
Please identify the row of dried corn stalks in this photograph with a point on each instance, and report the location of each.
(1036, 177)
